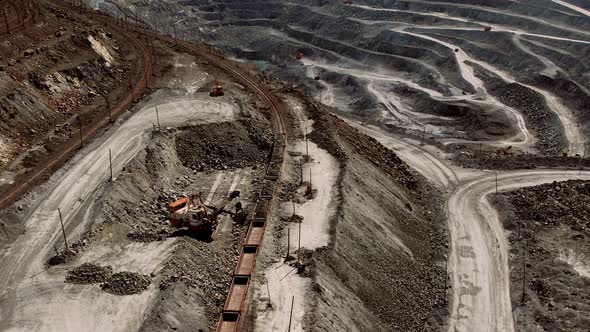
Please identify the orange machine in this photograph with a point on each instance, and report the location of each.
(299, 55)
(216, 91)
(191, 212)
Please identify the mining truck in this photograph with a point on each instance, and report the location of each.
(200, 219)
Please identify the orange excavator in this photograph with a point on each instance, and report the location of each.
(216, 91)
(201, 219)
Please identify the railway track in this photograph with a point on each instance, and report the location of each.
(22, 14)
(120, 107)
(236, 303)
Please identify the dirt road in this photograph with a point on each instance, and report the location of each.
(478, 262)
(26, 288)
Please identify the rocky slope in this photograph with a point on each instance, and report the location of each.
(426, 47)
(549, 230)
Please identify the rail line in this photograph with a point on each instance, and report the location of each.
(236, 303)
(24, 12)
(23, 187)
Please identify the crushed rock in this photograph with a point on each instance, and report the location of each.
(89, 273)
(213, 147)
(126, 283)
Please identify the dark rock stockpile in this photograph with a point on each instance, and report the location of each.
(499, 159)
(89, 273)
(120, 283)
(224, 146)
(537, 114)
(548, 224)
(126, 283)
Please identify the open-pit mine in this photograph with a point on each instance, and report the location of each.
(297, 165)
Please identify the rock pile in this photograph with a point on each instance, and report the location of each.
(327, 125)
(89, 273)
(553, 204)
(213, 147)
(549, 229)
(543, 120)
(126, 283)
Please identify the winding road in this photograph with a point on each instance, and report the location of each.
(478, 262)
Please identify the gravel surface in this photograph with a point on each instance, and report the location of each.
(126, 283)
(88, 273)
(223, 145)
(549, 229)
(384, 252)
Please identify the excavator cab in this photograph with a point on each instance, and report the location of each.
(201, 219)
(216, 91)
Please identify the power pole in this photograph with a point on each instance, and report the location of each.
(299, 245)
(111, 163)
(301, 171)
(158, 118)
(306, 145)
(288, 243)
(268, 291)
(62, 228)
(80, 125)
(496, 182)
(291, 314)
(423, 135)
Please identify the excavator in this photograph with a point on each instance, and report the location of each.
(216, 91)
(201, 219)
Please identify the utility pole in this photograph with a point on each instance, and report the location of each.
(62, 228)
(301, 171)
(158, 118)
(306, 145)
(299, 245)
(80, 125)
(288, 243)
(291, 314)
(293, 208)
(268, 291)
(496, 182)
(111, 163)
(423, 135)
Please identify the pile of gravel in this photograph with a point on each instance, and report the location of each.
(147, 236)
(88, 273)
(221, 146)
(126, 283)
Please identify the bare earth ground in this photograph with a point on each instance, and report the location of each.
(383, 248)
(66, 65)
(549, 232)
(105, 220)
